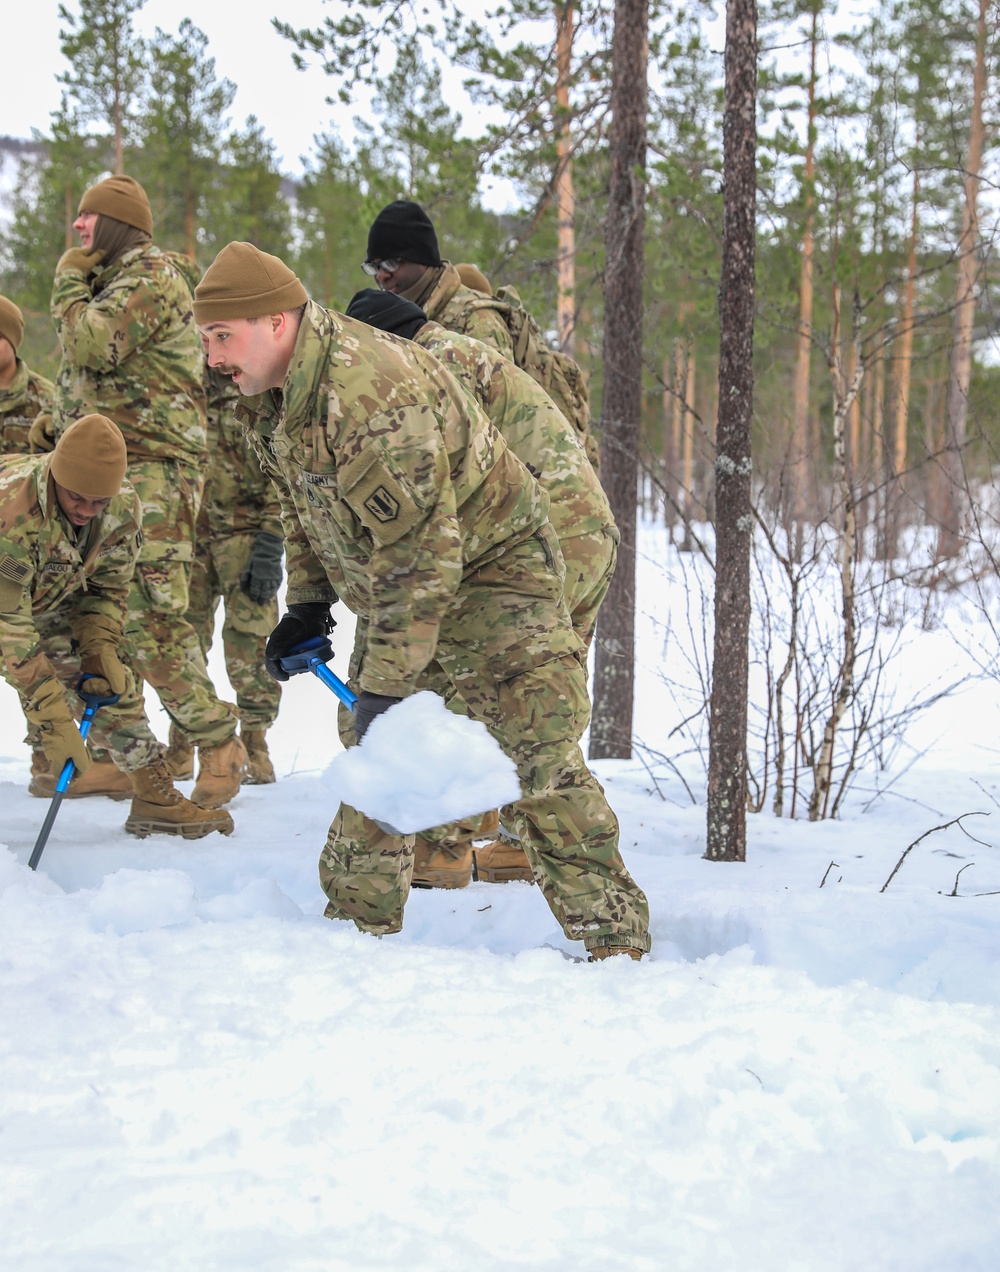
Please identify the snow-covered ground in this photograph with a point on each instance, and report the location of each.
(199, 1072)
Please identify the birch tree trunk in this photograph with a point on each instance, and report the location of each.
(611, 730)
(727, 763)
(844, 395)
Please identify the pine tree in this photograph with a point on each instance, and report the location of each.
(245, 203)
(182, 125)
(614, 673)
(107, 60)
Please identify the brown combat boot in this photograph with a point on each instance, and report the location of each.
(502, 861)
(102, 778)
(180, 756)
(433, 868)
(609, 951)
(219, 773)
(158, 808)
(259, 770)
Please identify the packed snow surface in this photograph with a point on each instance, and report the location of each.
(199, 1072)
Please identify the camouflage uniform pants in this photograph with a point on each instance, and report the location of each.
(215, 573)
(506, 646)
(121, 729)
(159, 640)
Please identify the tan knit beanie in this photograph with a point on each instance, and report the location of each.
(244, 282)
(90, 458)
(11, 322)
(122, 198)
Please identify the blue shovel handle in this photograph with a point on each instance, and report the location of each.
(313, 655)
(94, 702)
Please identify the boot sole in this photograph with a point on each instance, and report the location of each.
(251, 779)
(143, 827)
(434, 879)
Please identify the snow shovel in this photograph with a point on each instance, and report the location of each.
(94, 702)
(421, 776)
(313, 655)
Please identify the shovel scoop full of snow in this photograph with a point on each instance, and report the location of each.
(420, 766)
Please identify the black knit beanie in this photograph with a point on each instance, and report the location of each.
(403, 231)
(387, 311)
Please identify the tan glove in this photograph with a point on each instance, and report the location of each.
(59, 734)
(98, 638)
(40, 437)
(76, 258)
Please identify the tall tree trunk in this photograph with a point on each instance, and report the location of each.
(854, 457)
(669, 446)
(565, 197)
(69, 211)
(950, 538)
(901, 397)
(878, 448)
(611, 731)
(844, 393)
(800, 385)
(727, 760)
(687, 481)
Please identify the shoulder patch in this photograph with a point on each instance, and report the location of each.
(380, 495)
(382, 505)
(12, 569)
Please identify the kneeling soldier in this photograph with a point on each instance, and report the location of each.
(69, 538)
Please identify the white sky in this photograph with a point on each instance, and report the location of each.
(247, 50)
(290, 104)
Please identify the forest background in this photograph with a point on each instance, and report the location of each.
(863, 191)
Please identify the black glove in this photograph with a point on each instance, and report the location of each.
(309, 618)
(261, 575)
(367, 707)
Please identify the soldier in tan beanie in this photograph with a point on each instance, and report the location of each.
(69, 542)
(24, 395)
(122, 310)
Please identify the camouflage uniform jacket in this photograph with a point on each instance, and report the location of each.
(394, 486)
(239, 498)
(131, 351)
(27, 395)
(533, 427)
(45, 562)
(444, 298)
